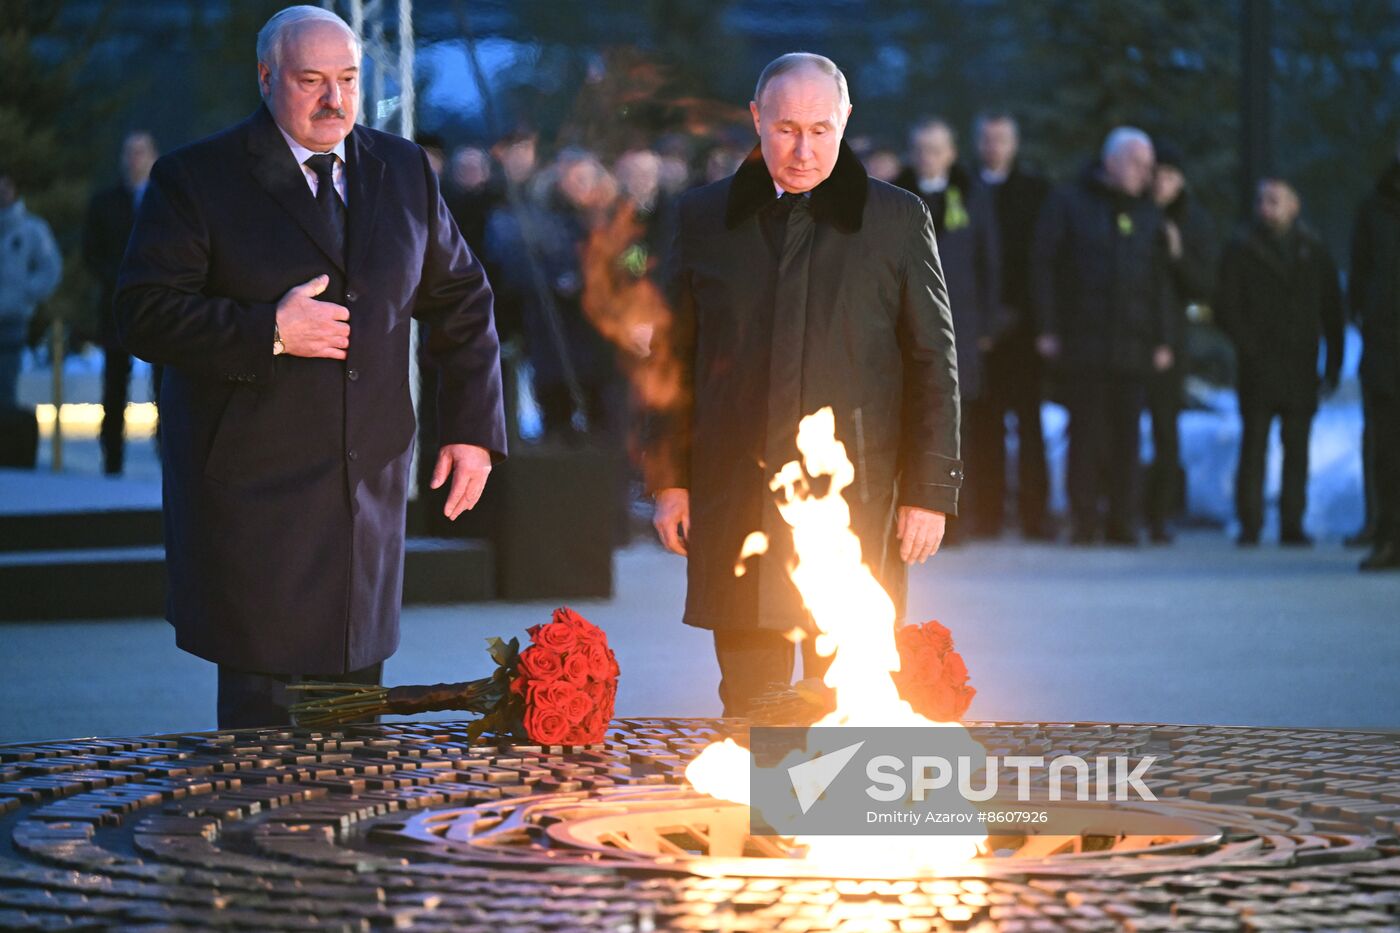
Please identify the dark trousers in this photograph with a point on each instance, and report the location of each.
(116, 391)
(1368, 458)
(1295, 426)
(249, 700)
(1166, 479)
(1011, 382)
(752, 661)
(1104, 412)
(1383, 418)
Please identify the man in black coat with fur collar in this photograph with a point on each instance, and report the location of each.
(274, 270)
(800, 283)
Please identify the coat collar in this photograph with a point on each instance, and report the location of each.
(276, 169)
(840, 199)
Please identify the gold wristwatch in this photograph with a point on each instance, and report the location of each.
(278, 348)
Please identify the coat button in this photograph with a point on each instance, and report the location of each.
(353, 455)
(352, 375)
(351, 296)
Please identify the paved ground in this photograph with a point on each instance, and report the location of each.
(1198, 633)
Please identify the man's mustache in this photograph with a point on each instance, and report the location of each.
(326, 113)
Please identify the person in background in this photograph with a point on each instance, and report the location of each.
(1098, 285)
(883, 164)
(966, 231)
(536, 251)
(435, 149)
(30, 270)
(472, 193)
(107, 227)
(1278, 294)
(1187, 228)
(1374, 292)
(1012, 371)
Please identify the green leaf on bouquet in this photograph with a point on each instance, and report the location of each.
(501, 652)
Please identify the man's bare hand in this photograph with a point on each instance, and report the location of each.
(1162, 358)
(1048, 346)
(468, 466)
(920, 533)
(311, 328)
(672, 520)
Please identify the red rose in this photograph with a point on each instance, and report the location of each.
(578, 706)
(585, 630)
(955, 668)
(596, 724)
(554, 693)
(540, 663)
(517, 686)
(560, 638)
(576, 668)
(601, 662)
(546, 724)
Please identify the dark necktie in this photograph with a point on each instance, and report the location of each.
(328, 200)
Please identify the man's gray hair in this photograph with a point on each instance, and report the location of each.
(273, 35)
(1123, 136)
(793, 61)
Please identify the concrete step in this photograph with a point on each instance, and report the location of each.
(126, 582)
(60, 531)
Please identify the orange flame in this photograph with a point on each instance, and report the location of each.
(854, 618)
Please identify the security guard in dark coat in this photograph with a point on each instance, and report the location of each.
(1278, 294)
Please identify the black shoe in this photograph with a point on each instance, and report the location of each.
(1295, 538)
(1386, 556)
(1159, 535)
(1081, 537)
(1122, 539)
(1247, 539)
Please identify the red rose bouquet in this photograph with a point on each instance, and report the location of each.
(932, 678)
(559, 690)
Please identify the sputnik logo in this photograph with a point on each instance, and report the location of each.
(811, 778)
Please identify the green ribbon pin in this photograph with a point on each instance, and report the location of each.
(954, 213)
(1125, 225)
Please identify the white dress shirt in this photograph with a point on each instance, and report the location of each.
(301, 154)
(933, 185)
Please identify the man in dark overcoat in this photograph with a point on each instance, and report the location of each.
(1373, 290)
(274, 270)
(106, 229)
(968, 249)
(801, 283)
(1099, 287)
(1013, 374)
(1278, 295)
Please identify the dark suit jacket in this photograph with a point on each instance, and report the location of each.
(286, 478)
(106, 230)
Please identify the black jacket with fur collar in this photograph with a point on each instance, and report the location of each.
(873, 340)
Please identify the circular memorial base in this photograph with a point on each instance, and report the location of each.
(409, 826)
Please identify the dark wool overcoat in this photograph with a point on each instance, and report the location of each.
(784, 307)
(286, 479)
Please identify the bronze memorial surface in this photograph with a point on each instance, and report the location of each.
(408, 826)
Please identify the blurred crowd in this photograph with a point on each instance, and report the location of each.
(1092, 291)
